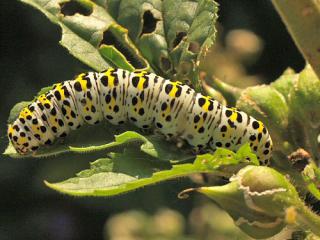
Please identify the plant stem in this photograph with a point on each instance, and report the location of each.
(213, 93)
(302, 19)
(230, 92)
(308, 220)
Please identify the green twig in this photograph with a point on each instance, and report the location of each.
(213, 93)
(229, 92)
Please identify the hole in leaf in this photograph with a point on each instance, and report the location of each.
(194, 47)
(109, 38)
(149, 22)
(165, 64)
(178, 38)
(73, 7)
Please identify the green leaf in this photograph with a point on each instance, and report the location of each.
(172, 35)
(15, 111)
(132, 169)
(304, 100)
(90, 34)
(153, 145)
(311, 176)
(245, 153)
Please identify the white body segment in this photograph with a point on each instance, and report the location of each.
(146, 100)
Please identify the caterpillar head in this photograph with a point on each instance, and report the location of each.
(21, 138)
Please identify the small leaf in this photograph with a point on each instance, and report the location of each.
(15, 111)
(245, 153)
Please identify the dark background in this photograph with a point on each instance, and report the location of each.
(31, 58)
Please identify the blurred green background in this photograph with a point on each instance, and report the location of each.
(253, 47)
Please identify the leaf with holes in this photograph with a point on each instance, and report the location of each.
(172, 34)
(91, 34)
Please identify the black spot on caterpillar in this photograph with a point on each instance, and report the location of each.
(146, 100)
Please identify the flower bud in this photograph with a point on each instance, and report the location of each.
(261, 201)
(304, 101)
(305, 97)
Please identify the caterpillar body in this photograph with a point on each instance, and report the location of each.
(146, 100)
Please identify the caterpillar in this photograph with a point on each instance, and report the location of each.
(144, 99)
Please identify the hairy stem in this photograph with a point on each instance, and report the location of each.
(308, 220)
